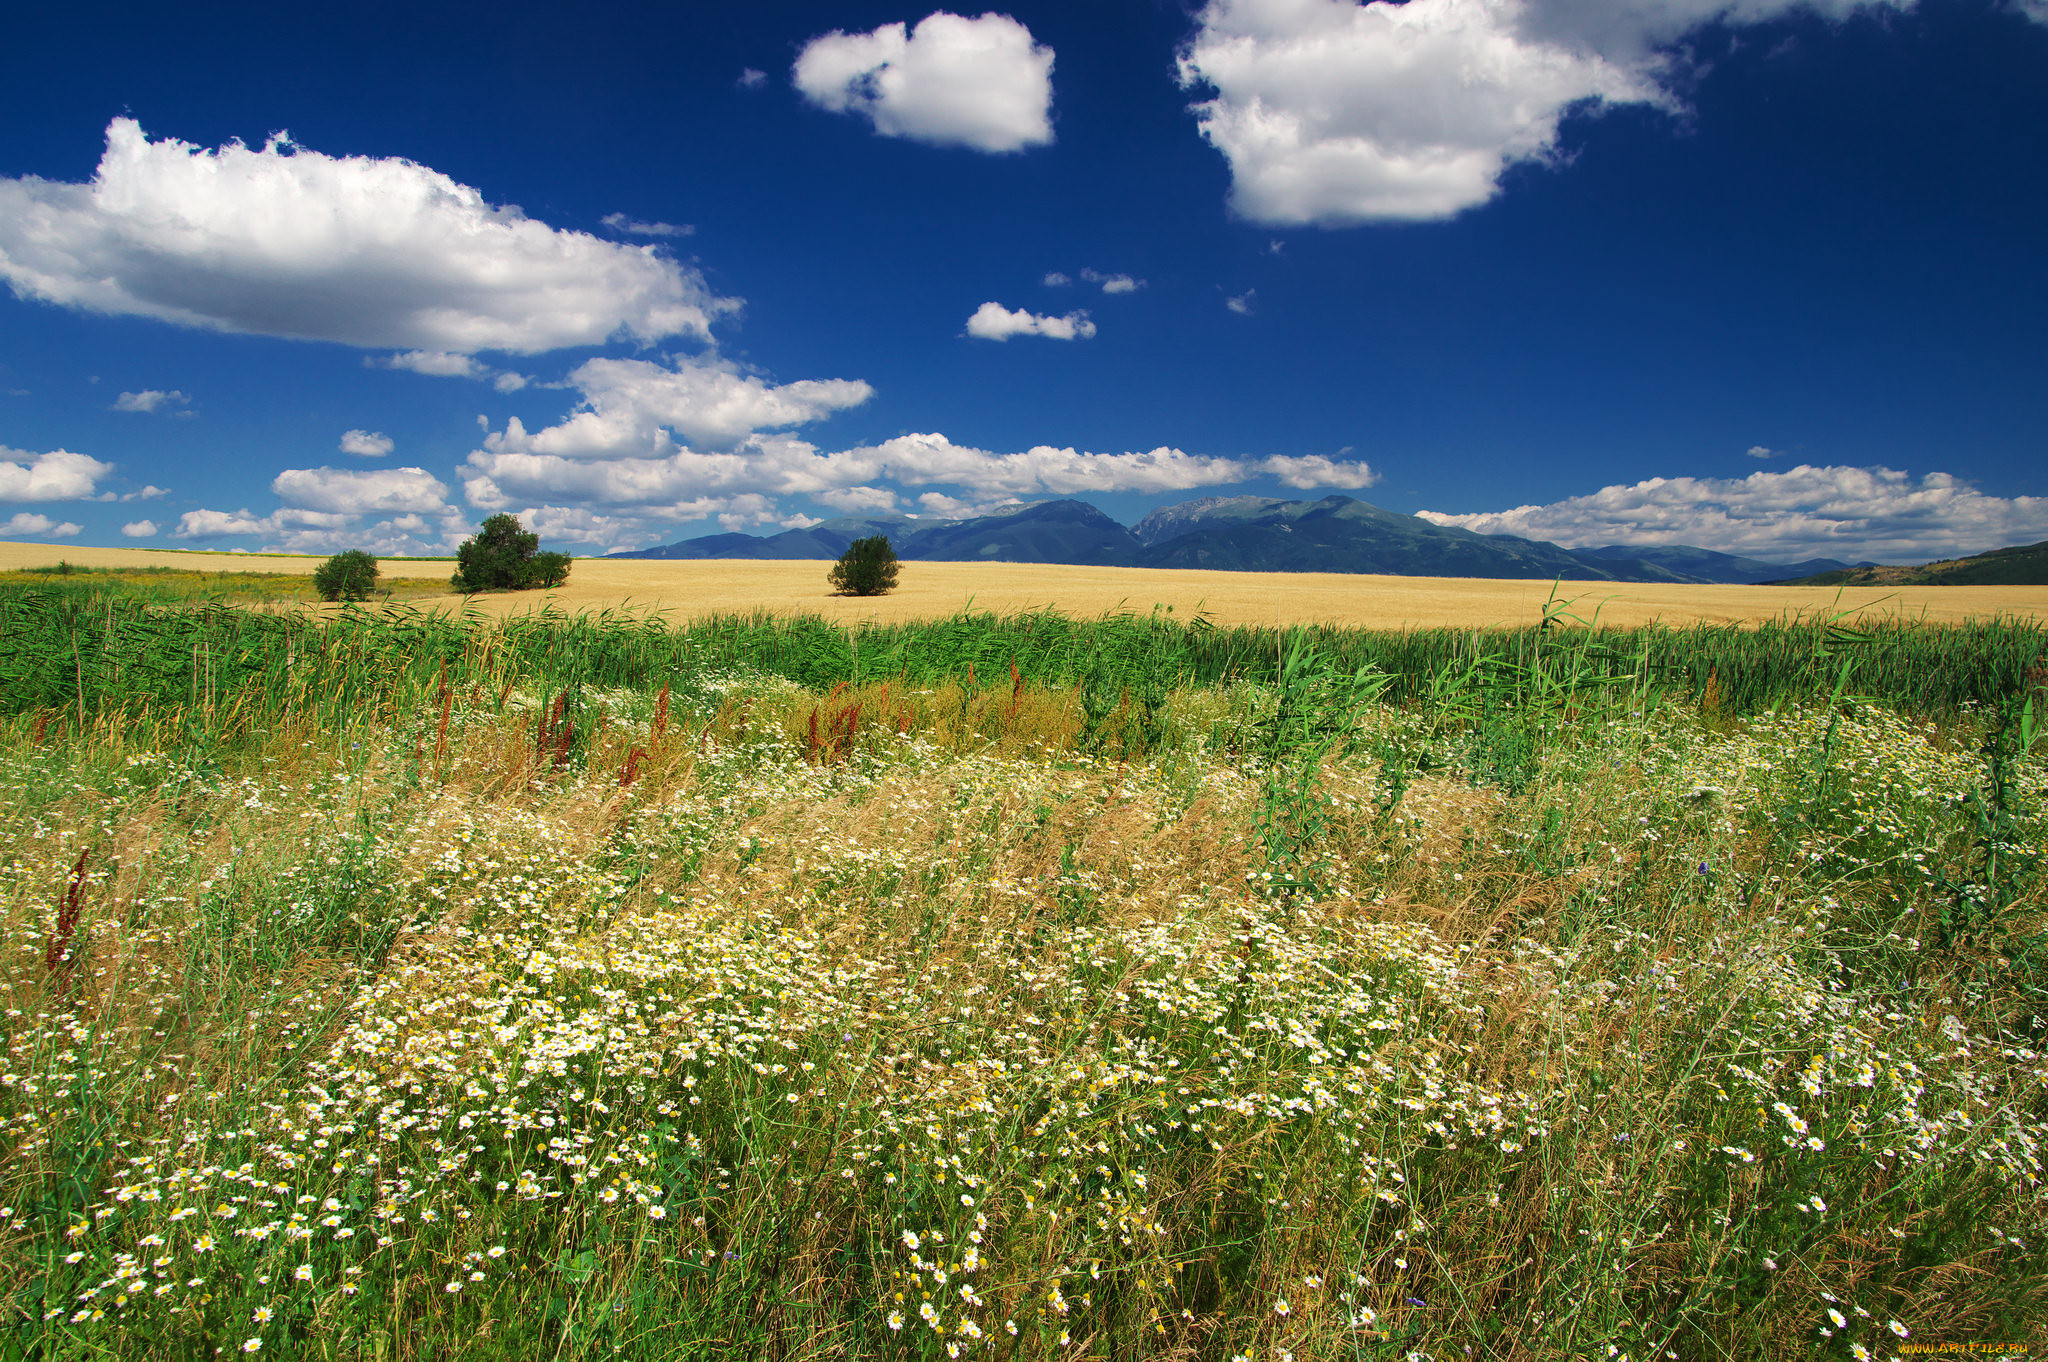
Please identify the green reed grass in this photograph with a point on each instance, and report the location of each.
(97, 644)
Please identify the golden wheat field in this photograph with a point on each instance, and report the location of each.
(933, 590)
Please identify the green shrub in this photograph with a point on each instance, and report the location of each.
(867, 568)
(504, 556)
(347, 576)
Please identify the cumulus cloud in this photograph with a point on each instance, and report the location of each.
(297, 529)
(206, 524)
(149, 400)
(960, 508)
(446, 364)
(31, 522)
(1803, 512)
(1761, 452)
(1057, 280)
(857, 500)
(654, 445)
(751, 79)
(1308, 471)
(689, 484)
(366, 444)
(361, 250)
(59, 475)
(139, 529)
(951, 81)
(1332, 112)
(434, 363)
(638, 406)
(993, 321)
(619, 222)
(1113, 283)
(356, 491)
(1241, 303)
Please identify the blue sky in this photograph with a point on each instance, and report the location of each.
(1761, 277)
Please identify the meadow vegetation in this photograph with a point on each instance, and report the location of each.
(403, 986)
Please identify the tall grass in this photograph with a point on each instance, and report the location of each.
(399, 986)
(96, 645)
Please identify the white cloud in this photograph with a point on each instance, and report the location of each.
(683, 484)
(619, 222)
(638, 406)
(951, 81)
(1333, 112)
(434, 363)
(1057, 280)
(1803, 512)
(619, 464)
(59, 475)
(366, 444)
(751, 79)
(1636, 30)
(299, 530)
(139, 529)
(148, 492)
(364, 251)
(30, 522)
(857, 500)
(1318, 470)
(1761, 452)
(209, 524)
(148, 400)
(357, 491)
(960, 508)
(1113, 283)
(1242, 303)
(446, 364)
(993, 321)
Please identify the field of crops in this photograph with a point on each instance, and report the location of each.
(695, 590)
(413, 985)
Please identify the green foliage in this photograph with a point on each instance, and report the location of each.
(1317, 715)
(867, 568)
(504, 556)
(348, 576)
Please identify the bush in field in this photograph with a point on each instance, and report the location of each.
(867, 568)
(348, 576)
(504, 556)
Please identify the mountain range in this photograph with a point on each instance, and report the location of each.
(1242, 534)
(2021, 565)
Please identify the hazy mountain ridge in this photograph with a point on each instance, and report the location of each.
(2018, 565)
(1237, 534)
(1710, 566)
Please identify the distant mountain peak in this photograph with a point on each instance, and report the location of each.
(1335, 533)
(1170, 522)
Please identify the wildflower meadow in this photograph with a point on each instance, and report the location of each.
(389, 986)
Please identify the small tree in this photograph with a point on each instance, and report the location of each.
(348, 576)
(867, 568)
(503, 556)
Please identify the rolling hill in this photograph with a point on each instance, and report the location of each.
(2020, 565)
